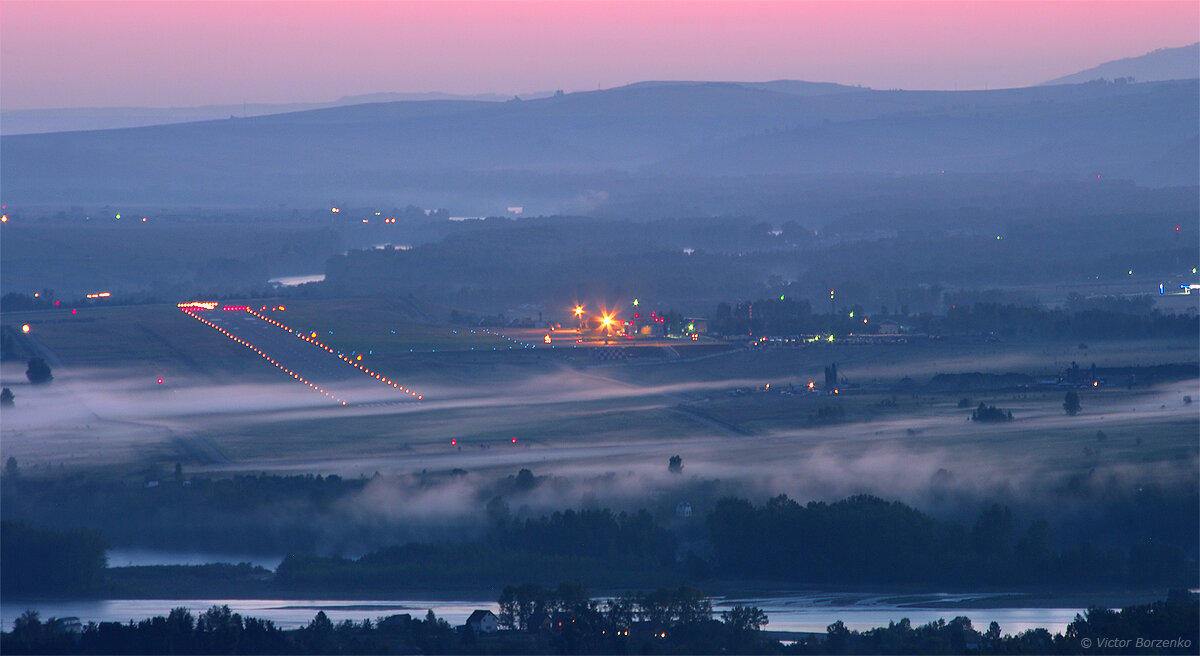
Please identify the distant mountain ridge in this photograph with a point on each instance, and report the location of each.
(574, 151)
(38, 121)
(1181, 63)
(41, 121)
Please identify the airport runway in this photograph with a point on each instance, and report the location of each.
(339, 377)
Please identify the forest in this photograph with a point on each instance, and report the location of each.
(860, 540)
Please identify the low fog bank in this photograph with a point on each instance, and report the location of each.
(1111, 468)
(273, 514)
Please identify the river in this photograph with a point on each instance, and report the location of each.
(799, 611)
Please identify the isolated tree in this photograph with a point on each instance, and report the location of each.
(1071, 403)
(38, 372)
(675, 465)
(11, 468)
(526, 480)
(497, 510)
(6, 397)
(743, 619)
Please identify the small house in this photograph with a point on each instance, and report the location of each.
(483, 621)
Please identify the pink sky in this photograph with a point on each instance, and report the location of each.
(95, 54)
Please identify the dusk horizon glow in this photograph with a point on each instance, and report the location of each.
(112, 54)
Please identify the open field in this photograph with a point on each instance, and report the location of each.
(223, 408)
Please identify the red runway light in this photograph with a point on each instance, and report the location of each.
(160, 381)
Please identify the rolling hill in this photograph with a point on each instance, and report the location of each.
(549, 152)
(1181, 63)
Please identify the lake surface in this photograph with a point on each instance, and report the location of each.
(801, 611)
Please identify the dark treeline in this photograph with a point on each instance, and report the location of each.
(37, 561)
(565, 620)
(187, 512)
(589, 545)
(1165, 627)
(1081, 319)
(1087, 529)
(866, 540)
(860, 540)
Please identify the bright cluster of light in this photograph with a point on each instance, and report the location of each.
(312, 339)
(203, 305)
(194, 313)
(99, 295)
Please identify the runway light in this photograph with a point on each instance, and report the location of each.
(160, 381)
(25, 328)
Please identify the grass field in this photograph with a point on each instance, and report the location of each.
(221, 408)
